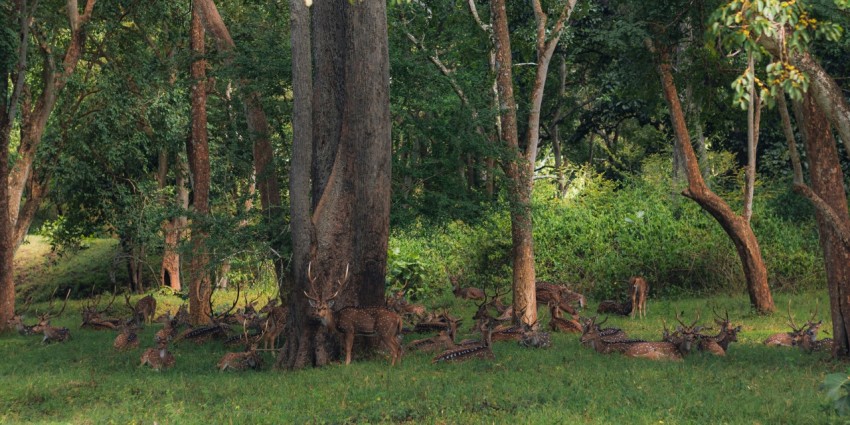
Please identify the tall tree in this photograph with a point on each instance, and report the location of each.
(350, 168)
(519, 166)
(737, 227)
(198, 153)
(34, 117)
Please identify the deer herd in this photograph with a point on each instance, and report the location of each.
(388, 325)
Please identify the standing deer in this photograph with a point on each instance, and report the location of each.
(638, 289)
(144, 310)
(351, 321)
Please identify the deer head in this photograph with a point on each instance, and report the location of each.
(322, 307)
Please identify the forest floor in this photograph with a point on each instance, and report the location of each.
(86, 381)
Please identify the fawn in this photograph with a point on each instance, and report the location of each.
(158, 358)
(351, 321)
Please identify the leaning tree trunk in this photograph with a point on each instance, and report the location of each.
(350, 168)
(200, 288)
(828, 183)
(735, 226)
(14, 219)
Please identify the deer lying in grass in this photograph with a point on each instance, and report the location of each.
(51, 333)
(93, 317)
(719, 344)
(479, 350)
(158, 358)
(248, 359)
(17, 320)
(797, 334)
(468, 293)
(351, 321)
(615, 340)
(615, 307)
(673, 347)
(127, 339)
(559, 324)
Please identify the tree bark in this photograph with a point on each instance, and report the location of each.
(828, 183)
(200, 288)
(753, 119)
(350, 168)
(735, 226)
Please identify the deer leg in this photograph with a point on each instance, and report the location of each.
(349, 345)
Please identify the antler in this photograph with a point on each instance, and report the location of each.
(791, 319)
(312, 281)
(341, 283)
(50, 313)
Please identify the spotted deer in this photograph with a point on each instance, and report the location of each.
(351, 321)
(144, 310)
(127, 339)
(93, 317)
(559, 323)
(797, 335)
(477, 350)
(158, 358)
(468, 293)
(638, 289)
(52, 333)
(726, 336)
(17, 320)
(615, 341)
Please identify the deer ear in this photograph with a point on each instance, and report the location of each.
(331, 303)
(312, 303)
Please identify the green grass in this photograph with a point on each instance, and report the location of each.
(38, 271)
(85, 381)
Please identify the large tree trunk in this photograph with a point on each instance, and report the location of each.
(351, 167)
(735, 226)
(828, 184)
(200, 288)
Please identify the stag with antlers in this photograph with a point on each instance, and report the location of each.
(478, 350)
(798, 333)
(93, 317)
(52, 333)
(17, 320)
(351, 321)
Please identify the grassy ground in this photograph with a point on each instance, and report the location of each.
(38, 271)
(85, 381)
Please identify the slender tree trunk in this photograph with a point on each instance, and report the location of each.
(520, 168)
(258, 127)
(828, 184)
(753, 119)
(200, 287)
(351, 163)
(735, 226)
